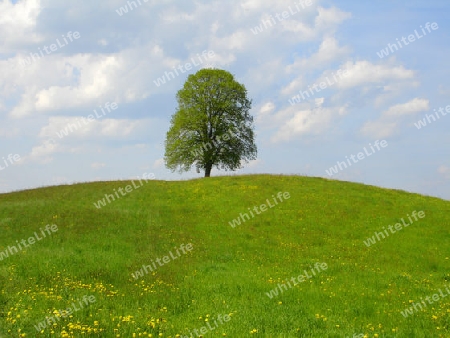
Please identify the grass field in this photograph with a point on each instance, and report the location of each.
(226, 283)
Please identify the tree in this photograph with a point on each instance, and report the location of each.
(212, 125)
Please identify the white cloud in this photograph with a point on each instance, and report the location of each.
(364, 72)
(319, 101)
(391, 119)
(17, 24)
(83, 80)
(264, 112)
(444, 171)
(43, 152)
(98, 81)
(294, 86)
(259, 5)
(325, 23)
(63, 81)
(51, 143)
(412, 107)
(297, 123)
(303, 32)
(80, 127)
(329, 51)
(86, 81)
(267, 108)
(330, 18)
(362, 76)
(234, 41)
(254, 163)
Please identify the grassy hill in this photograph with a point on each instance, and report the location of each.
(300, 268)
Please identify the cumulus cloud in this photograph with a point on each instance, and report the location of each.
(329, 51)
(43, 152)
(87, 80)
(361, 78)
(412, 107)
(360, 73)
(329, 19)
(295, 122)
(392, 119)
(18, 23)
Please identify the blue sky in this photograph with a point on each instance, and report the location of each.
(115, 57)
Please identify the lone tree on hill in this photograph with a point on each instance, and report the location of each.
(212, 125)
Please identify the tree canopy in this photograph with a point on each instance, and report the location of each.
(212, 125)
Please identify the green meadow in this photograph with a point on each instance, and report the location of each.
(222, 286)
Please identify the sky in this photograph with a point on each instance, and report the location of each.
(348, 90)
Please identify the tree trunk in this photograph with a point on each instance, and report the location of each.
(208, 170)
